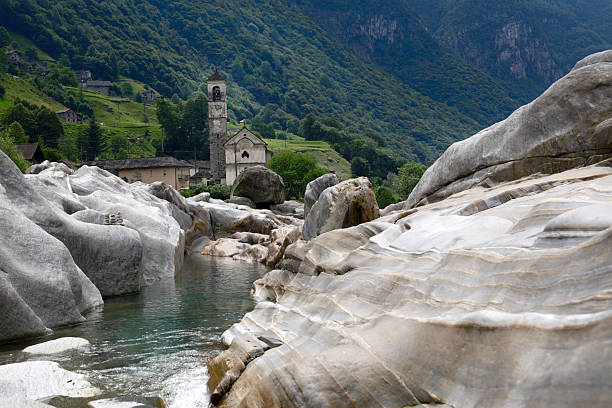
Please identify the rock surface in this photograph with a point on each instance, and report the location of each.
(127, 402)
(289, 208)
(56, 346)
(315, 188)
(346, 204)
(21, 403)
(498, 299)
(559, 130)
(41, 379)
(261, 185)
(489, 295)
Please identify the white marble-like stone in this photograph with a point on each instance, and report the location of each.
(56, 346)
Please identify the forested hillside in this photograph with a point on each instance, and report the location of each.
(526, 45)
(270, 52)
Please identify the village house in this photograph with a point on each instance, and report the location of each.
(149, 97)
(83, 76)
(31, 152)
(245, 149)
(200, 172)
(148, 170)
(13, 56)
(69, 116)
(102, 87)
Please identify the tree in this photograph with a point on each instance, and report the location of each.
(93, 136)
(17, 133)
(48, 127)
(31, 54)
(297, 170)
(127, 90)
(360, 167)
(384, 196)
(408, 177)
(7, 145)
(4, 37)
(2, 91)
(24, 116)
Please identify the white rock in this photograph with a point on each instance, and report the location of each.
(41, 379)
(21, 403)
(58, 346)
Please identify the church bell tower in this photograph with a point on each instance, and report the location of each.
(217, 125)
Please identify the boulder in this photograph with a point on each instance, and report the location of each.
(289, 208)
(346, 204)
(506, 302)
(231, 248)
(127, 402)
(315, 188)
(280, 239)
(203, 197)
(41, 379)
(247, 202)
(21, 403)
(261, 185)
(57, 346)
(568, 126)
(250, 237)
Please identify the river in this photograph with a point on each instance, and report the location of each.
(156, 343)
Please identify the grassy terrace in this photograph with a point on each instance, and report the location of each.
(322, 151)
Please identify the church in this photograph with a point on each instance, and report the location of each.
(245, 149)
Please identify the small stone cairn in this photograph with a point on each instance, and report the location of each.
(113, 219)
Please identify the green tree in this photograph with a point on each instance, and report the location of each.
(93, 136)
(4, 37)
(31, 54)
(127, 90)
(384, 196)
(297, 170)
(7, 145)
(48, 127)
(17, 133)
(2, 91)
(408, 177)
(24, 116)
(64, 76)
(168, 119)
(360, 167)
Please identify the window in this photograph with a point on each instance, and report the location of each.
(216, 93)
(245, 154)
(164, 172)
(150, 173)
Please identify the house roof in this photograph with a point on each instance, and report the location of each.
(139, 163)
(63, 111)
(200, 164)
(202, 174)
(242, 133)
(215, 77)
(28, 150)
(99, 83)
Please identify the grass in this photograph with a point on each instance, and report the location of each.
(324, 154)
(120, 111)
(22, 88)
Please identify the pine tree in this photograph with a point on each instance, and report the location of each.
(93, 137)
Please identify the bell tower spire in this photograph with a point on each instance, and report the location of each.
(217, 124)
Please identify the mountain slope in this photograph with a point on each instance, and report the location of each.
(275, 54)
(526, 44)
(391, 34)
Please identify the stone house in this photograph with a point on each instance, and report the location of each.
(149, 97)
(83, 76)
(148, 170)
(13, 56)
(31, 152)
(102, 87)
(69, 116)
(200, 172)
(245, 149)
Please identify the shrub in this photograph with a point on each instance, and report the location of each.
(384, 196)
(8, 147)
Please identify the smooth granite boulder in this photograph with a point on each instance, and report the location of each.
(40, 284)
(14, 402)
(496, 298)
(568, 126)
(315, 188)
(34, 380)
(261, 185)
(291, 208)
(245, 201)
(343, 205)
(57, 346)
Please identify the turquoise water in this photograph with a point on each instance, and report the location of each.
(156, 343)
